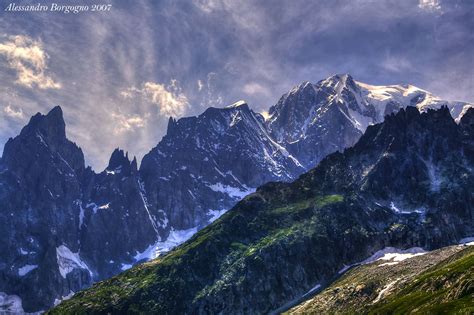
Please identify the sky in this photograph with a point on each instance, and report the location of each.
(120, 75)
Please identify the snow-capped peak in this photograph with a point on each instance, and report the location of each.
(406, 95)
(384, 92)
(299, 87)
(340, 85)
(336, 80)
(237, 104)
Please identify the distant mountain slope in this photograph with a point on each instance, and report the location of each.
(430, 282)
(406, 183)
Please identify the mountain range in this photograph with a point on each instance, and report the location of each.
(68, 226)
(404, 187)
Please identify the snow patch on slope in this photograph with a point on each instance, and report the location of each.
(126, 267)
(26, 269)
(469, 241)
(175, 238)
(64, 298)
(232, 192)
(215, 214)
(359, 120)
(96, 208)
(394, 255)
(396, 209)
(391, 254)
(311, 291)
(68, 261)
(12, 304)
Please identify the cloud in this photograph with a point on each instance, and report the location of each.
(170, 99)
(28, 58)
(396, 63)
(255, 88)
(126, 123)
(430, 5)
(200, 85)
(213, 96)
(13, 113)
(208, 6)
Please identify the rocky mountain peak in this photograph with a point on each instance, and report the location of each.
(44, 138)
(227, 117)
(338, 82)
(301, 87)
(171, 125)
(468, 118)
(467, 125)
(303, 97)
(55, 114)
(408, 122)
(336, 78)
(409, 142)
(120, 163)
(410, 114)
(51, 126)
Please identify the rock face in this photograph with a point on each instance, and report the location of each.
(117, 220)
(67, 226)
(205, 164)
(406, 183)
(41, 177)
